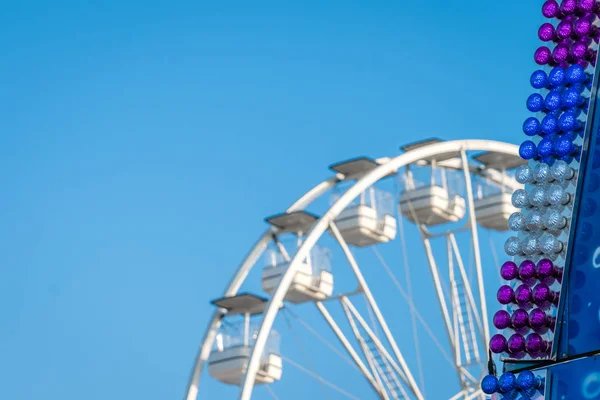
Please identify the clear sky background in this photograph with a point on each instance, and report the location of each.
(143, 142)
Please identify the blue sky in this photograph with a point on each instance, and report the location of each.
(142, 144)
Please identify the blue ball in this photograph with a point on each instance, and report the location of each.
(557, 77)
(545, 147)
(539, 79)
(572, 98)
(576, 74)
(535, 102)
(564, 146)
(549, 124)
(553, 100)
(526, 380)
(507, 382)
(532, 126)
(580, 87)
(489, 384)
(527, 150)
(568, 122)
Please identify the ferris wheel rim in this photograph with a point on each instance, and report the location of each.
(315, 233)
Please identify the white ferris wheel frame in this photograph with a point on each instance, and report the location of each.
(326, 223)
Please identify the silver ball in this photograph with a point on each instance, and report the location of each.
(561, 171)
(537, 196)
(554, 221)
(550, 245)
(516, 222)
(524, 174)
(512, 246)
(520, 199)
(556, 195)
(541, 172)
(533, 221)
(531, 246)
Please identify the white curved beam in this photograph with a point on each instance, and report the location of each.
(323, 224)
(236, 283)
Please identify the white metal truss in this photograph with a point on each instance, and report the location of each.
(390, 376)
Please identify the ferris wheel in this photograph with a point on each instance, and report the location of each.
(450, 192)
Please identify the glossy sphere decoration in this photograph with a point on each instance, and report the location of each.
(557, 77)
(505, 294)
(527, 150)
(523, 295)
(513, 246)
(545, 268)
(543, 55)
(535, 343)
(551, 9)
(546, 32)
(516, 222)
(564, 29)
(539, 79)
(559, 54)
(532, 126)
(550, 124)
(519, 319)
(489, 384)
(583, 27)
(507, 382)
(553, 101)
(524, 174)
(509, 270)
(527, 270)
(501, 319)
(538, 319)
(541, 172)
(527, 380)
(498, 344)
(516, 344)
(561, 171)
(576, 74)
(535, 102)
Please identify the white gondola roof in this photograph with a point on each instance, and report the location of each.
(426, 142)
(296, 221)
(499, 161)
(241, 304)
(357, 167)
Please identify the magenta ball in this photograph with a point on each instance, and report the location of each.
(546, 32)
(560, 53)
(505, 294)
(519, 319)
(568, 7)
(516, 343)
(578, 50)
(509, 270)
(538, 318)
(542, 55)
(527, 270)
(535, 343)
(498, 344)
(550, 9)
(523, 294)
(545, 268)
(564, 29)
(502, 319)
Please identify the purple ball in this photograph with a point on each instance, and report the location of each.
(505, 294)
(560, 53)
(579, 50)
(568, 7)
(583, 27)
(550, 9)
(587, 6)
(541, 294)
(546, 32)
(542, 55)
(564, 30)
(519, 319)
(502, 319)
(498, 344)
(516, 344)
(535, 344)
(527, 270)
(545, 268)
(509, 270)
(523, 294)
(538, 318)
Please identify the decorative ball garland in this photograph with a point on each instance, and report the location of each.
(530, 299)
